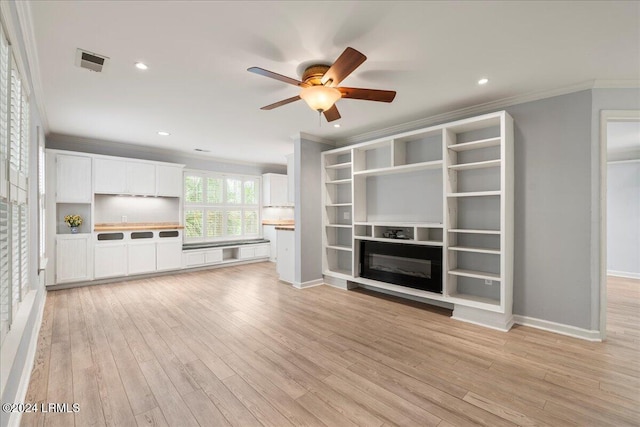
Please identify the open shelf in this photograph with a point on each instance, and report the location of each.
(474, 250)
(339, 225)
(474, 145)
(340, 181)
(339, 247)
(401, 241)
(401, 224)
(475, 274)
(400, 169)
(474, 231)
(339, 274)
(337, 205)
(475, 301)
(475, 194)
(476, 165)
(344, 165)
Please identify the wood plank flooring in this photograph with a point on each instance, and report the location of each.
(236, 347)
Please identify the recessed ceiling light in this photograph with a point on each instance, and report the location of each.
(483, 81)
(337, 125)
(141, 66)
(163, 133)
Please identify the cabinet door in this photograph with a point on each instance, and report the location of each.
(72, 259)
(110, 177)
(169, 181)
(291, 189)
(261, 251)
(193, 259)
(274, 187)
(169, 255)
(110, 260)
(213, 256)
(286, 255)
(142, 178)
(73, 179)
(142, 257)
(269, 232)
(246, 252)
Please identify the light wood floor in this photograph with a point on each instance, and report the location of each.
(234, 346)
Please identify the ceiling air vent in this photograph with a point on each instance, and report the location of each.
(90, 60)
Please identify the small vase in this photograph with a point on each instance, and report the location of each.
(74, 230)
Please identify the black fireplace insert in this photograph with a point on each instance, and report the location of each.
(414, 266)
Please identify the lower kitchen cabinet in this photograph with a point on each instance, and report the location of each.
(73, 257)
(110, 260)
(248, 252)
(169, 255)
(142, 257)
(269, 232)
(286, 255)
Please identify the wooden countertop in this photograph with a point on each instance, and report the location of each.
(278, 222)
(119, 226)
(286, 227)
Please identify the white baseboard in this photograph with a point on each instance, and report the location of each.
(308, 284)
(625, 274)
(558, 328)
(25, 377)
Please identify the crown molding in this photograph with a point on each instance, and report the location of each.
(314, 138)
(487, 107)
(141, 150)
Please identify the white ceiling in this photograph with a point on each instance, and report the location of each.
(197, 86)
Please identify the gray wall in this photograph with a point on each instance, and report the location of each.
(308, 209)
(623, 218)
(552, 238)
(195, 161)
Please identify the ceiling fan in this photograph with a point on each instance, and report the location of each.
(320, 85)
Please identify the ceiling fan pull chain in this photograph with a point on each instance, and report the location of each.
(319, 118)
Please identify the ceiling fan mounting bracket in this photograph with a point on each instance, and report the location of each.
(313, 74)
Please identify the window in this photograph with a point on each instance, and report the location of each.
(220, 206)
(14, 173)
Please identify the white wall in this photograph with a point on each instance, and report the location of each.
(623, 219)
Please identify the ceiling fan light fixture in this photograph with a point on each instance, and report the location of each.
(320, 98)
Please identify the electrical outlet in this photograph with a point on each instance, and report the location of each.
(124, 218)
(488, 282)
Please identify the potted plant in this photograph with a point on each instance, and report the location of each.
(73, 221)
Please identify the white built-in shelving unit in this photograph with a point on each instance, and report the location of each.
(448, 186)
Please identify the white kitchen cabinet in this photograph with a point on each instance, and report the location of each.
(73, 253)
(269, 232)
(142, 178)
(291, 180)
(110, 176)
(73, 179)
(274, 190)
(110, 260)
(169, 181)
(169, 255)
(213, 256)
(141, 257)
(286, 255)
(124, 177)
(257, 251)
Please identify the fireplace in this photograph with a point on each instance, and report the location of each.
(414, 266)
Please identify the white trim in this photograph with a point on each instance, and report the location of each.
(483, 108)
(313, 138)
(23, 8)
(617, 162)
(25, 378)
(12, 37)
(558, 328)
(308, 284)
(625, 274)
(599, 227)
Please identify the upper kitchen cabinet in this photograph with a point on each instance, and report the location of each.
(121, 176)
(124, 177)
(275, 190)
(169, 181)
(73, 179)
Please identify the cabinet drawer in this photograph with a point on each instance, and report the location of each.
(192, 259)
(213, 256)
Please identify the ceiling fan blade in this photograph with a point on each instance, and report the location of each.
(271, 74)
(344, 65)
(367, 94)
(332, 114)
(281, 103)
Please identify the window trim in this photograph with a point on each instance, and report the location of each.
(224, 206)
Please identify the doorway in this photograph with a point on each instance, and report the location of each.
(620, 213)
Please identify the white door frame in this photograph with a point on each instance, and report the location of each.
(607, 116)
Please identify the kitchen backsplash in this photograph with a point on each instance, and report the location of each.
(109, 209)
(277, 213)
